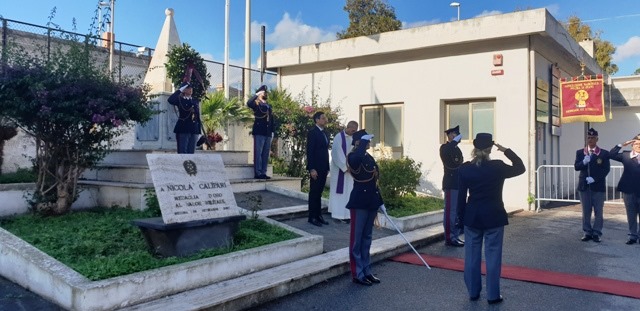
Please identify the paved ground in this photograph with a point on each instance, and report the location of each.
(547, 240)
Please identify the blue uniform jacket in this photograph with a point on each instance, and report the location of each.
(263, 123)
(598, 167)
(484, 208)
(364, 170)
(630, 179)
(188, 114)
(451, 157)
(317, 150)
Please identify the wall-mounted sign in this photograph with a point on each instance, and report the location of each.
(497, 72)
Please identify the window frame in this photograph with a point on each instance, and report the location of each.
(396, 150)
(468, 137)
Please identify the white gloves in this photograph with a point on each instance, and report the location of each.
(458, 138)
(590, 180)
(382, 208)
(183, 87)
(367, 137)
(586, 160)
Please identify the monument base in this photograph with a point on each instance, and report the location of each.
(187, 238)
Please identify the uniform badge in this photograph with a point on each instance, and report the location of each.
(599, 161)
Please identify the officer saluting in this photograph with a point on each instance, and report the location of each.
(188, 126)
(364, 202)
(262, 131)
(451, 157)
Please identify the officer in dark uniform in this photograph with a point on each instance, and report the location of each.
(364, 202)
(593, 164)
(188, 126)
(451, 157)
(629, 183)
(262, 131)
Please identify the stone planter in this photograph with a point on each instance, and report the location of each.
(413, 222)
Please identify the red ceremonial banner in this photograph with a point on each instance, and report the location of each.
(582, 101)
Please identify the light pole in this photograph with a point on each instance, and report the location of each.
(456, 5)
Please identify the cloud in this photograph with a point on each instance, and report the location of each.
(292, 32)
(489, 13)
(629, 49)
(407, 25)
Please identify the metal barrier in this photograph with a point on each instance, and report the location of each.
(559, 183)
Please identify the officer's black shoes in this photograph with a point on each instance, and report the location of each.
(586, 237)
(495, 301)
(372, 278)
(454, 243)
(631, 241)
(596, 238)
(363, 281)
(474, 298)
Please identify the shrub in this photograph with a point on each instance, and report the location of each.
(73, 109)
(398, 177)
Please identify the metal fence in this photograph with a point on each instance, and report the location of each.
(559, 183)
(130, 61)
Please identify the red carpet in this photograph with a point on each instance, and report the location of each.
(575, 281)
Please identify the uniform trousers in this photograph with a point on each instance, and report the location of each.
(592, 202)
(187, 142)
(473, 258)
(451, 232)
(261, 149)
(360, 241)
(632, 205)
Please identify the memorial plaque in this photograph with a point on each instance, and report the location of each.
(192, 187)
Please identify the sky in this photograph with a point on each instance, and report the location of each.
(290, 23)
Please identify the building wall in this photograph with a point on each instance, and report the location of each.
(423, 81)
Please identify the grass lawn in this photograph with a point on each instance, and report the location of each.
(102, 243)
(409, 205)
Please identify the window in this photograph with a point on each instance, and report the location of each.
(385, 123)
(473, 117)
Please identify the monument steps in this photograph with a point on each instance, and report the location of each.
(123, 177)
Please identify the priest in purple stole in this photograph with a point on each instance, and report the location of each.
(340, 181)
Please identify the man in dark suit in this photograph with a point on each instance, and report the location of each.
(262, 131)
(629, 183)
(451, 157)
(483, 214)
(318, 167)
(593, 164)
(188, 126)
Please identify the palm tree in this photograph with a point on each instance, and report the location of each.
(217, 112)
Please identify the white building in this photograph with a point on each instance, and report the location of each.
(485, 74)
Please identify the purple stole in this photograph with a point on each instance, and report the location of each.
(340, 172)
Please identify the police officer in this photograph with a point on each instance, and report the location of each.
(188, 126)
(593, 164)
(364, 202)
(451, 157)
(262, 131)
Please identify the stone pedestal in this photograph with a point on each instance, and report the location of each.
(157, 133)
(187, 238)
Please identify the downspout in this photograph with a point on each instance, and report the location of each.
(532, 125)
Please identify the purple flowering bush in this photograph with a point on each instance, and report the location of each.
(73, 110)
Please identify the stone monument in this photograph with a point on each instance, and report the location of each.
(199, 210)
